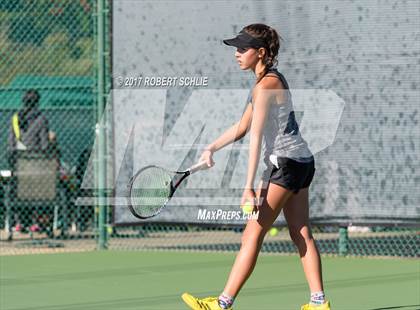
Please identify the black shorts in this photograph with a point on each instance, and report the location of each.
(291, 174)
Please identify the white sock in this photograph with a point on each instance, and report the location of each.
(225, 301)
(317, 298)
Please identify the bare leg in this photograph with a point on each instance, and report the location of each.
(296, 212)
(273, 198)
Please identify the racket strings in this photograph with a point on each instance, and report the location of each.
(150, 191)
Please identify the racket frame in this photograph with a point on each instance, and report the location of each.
(173, 188)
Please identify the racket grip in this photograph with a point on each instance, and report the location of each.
(200, 166)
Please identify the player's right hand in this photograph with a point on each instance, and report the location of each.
(207, 156)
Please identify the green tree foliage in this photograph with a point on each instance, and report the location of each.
(46, 37)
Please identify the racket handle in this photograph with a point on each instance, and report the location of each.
(200, 166)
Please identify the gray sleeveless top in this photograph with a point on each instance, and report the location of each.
(281, 136)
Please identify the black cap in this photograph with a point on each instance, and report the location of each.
(245, 40)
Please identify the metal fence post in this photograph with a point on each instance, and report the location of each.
(101, 142)
(343, 241)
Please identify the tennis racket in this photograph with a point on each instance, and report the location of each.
(151, 188)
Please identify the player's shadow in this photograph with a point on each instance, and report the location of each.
(414, 307)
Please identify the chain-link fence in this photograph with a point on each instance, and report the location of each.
(48, 117)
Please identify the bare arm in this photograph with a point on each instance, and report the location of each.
(261, 107)
(234, 133)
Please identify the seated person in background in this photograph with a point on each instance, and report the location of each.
(29, 127)
(28, 131)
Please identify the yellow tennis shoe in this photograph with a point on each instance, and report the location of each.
(209, 303)
(325, 306)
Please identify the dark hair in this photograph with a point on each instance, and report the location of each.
(272, 43)
(31, 98)
(30, 108)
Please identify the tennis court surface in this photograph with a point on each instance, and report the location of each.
(156, 280)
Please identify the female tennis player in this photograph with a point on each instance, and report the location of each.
(290, 167)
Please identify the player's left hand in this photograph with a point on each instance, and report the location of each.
(248, 196)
